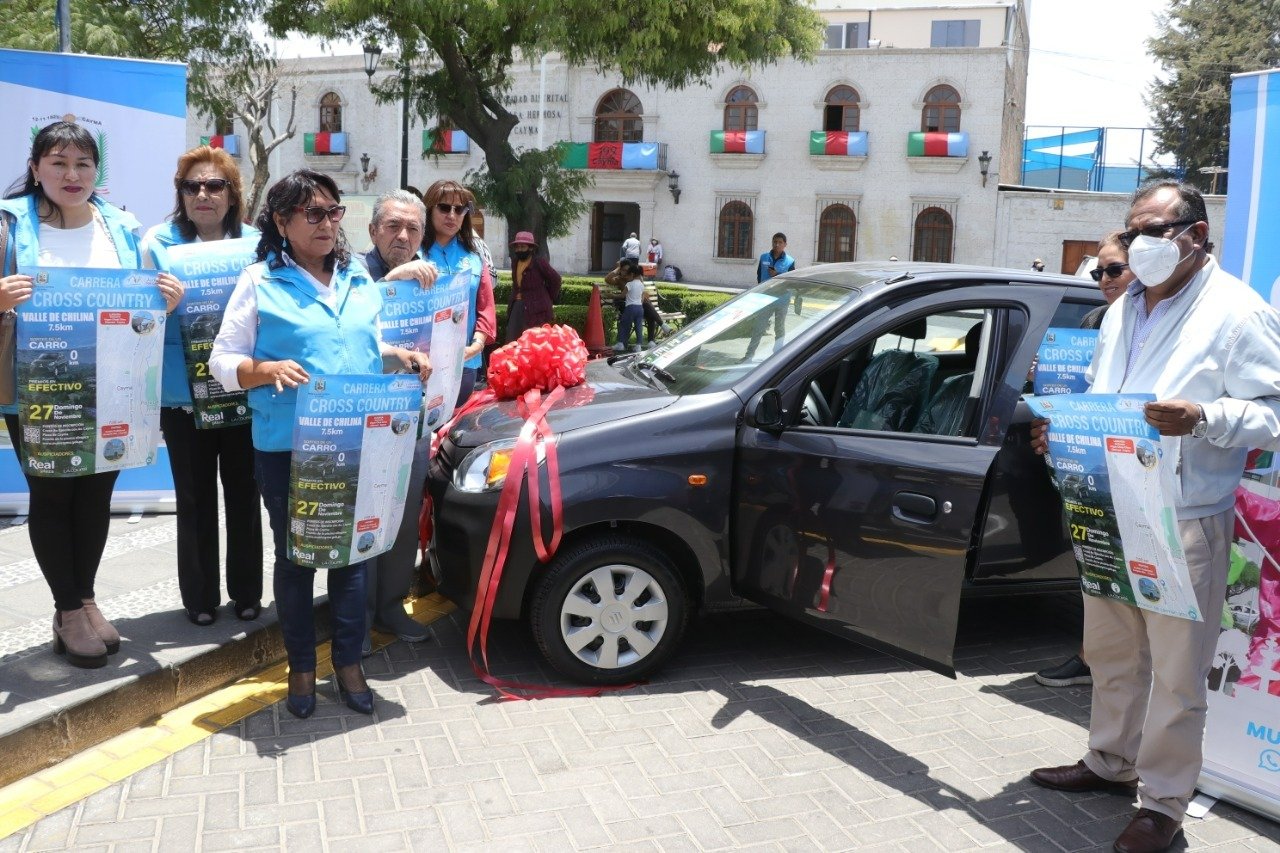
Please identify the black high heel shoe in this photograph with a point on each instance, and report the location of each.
(246, 612)
(359, 701)
(301, 705)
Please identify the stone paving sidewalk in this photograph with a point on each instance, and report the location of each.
(761, 735)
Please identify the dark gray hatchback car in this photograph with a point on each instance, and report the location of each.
(844, 444)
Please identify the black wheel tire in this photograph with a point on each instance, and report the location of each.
(568, 613)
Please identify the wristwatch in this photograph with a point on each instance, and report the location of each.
(1202, 425)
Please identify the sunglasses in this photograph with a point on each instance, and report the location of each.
(316, 214)
(213, 186)
(1110, 271)
(1156, 232)
(456, 209)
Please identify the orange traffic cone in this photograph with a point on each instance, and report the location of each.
(595, 326)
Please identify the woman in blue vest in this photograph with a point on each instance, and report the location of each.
(306, 308)
(56, 218)
(450, 244)
(209, 206)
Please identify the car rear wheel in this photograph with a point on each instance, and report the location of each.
(609, 610)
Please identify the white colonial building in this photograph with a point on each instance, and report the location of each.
(893, 141)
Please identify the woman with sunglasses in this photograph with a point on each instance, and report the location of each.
(1113, 277)
(56, 219)
(305, 309)
(208, 206)
(450, 244)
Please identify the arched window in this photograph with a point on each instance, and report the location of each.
(223, 125)
(934, 235)
(737, 222)
(740, 111)
(842, 111)
(618, 118)
(941, 111)
(331, 113)
(837, 230)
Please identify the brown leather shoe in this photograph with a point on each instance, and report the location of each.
(1077, 778)
(1148, 832)
(104, 629)
(74, 637)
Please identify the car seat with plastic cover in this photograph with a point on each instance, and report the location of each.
(944, 414)
(891, 392)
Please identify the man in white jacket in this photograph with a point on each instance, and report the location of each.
(1208, 347)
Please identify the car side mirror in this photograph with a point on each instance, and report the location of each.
(765, 410)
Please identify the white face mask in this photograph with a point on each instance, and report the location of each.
(1153, 259)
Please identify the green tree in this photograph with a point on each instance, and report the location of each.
(456, 57)
(1200, 44)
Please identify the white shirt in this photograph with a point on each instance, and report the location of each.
(635, 292)
(87, 246)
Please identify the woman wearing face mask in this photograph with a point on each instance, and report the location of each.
(535, 287)
(450, 244)
(56, 219)
(208, 207)
(305, 309)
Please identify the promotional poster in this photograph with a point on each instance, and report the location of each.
(89, 350)
(433, 321)
(1117, 488)
(209, 272)
(353, 443)
(1062, 360)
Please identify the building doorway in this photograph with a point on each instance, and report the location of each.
(611, 223)
(1074, 253)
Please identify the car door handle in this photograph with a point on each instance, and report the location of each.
(910, 506)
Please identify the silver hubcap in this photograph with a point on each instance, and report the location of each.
(614, 616)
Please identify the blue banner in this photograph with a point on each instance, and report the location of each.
(1253, 205)
(353, 441)
(1062, 360)
(89, 350)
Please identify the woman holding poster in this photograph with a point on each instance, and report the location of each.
(56, 219)
(208, 208)
(304, 309)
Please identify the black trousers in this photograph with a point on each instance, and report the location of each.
(197, 458)
(67, 523)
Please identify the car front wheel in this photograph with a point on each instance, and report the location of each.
(609, 610)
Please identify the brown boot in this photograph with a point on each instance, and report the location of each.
(74, 637)
(104, 629)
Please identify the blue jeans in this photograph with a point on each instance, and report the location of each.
(632, 317)
(294, 585)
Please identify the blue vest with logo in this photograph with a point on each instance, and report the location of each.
(453, 258)
(294, 324)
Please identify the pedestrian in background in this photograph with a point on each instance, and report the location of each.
(655, 252)
(1037, 265)
(209, 206)
(56, 219)
(535, 287)
(631, 247)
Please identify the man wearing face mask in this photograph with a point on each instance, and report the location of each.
(1208, 347)
(535, 287)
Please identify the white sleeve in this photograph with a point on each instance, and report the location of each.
(239, 332)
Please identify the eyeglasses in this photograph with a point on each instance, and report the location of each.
(1110, 271)
(456, 209)
(316, 214)
(1155, 232)
(213, 186)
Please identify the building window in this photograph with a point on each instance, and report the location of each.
(736, 224)
(933, 236)
(941, 113)
(847, 35)
(331, 113)
(740, 111)
(618, 118)
(837, 234)
(955, 34)
(842, 111)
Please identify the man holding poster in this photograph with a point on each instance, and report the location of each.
(1208, 348)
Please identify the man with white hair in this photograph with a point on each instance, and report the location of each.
(631, 247)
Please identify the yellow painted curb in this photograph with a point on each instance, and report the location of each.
(29, 800)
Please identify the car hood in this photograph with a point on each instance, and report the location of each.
(609, 393)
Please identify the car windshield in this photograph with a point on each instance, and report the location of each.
(725, 344)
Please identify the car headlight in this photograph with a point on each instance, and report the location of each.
(485, 468)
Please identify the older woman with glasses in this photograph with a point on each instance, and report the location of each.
(208, 207)
(450, 244)
(305, 309)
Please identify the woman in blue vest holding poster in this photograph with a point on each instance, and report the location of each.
(56, 219)
(209, 206)
(306, 308)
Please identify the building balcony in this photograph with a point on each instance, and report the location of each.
(937, 152)
(227, 142)
(446, 142)
(613, 156)
(838, 149)
(325, 152)
(737, 149)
